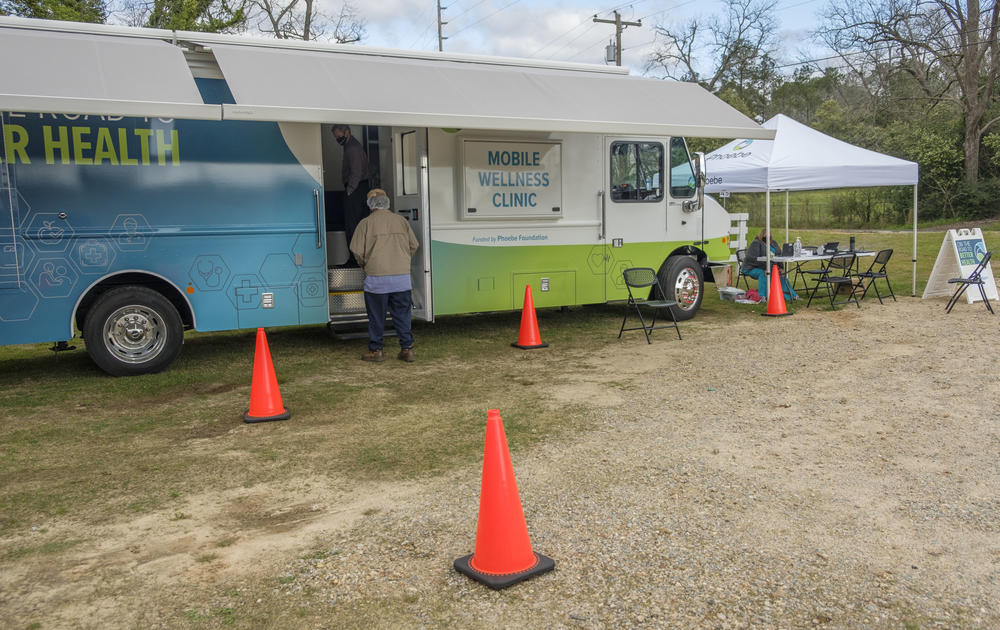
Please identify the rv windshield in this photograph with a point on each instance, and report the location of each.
(682, 182)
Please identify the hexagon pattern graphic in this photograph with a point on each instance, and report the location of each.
(312, 289)
(618, 272)
(244, 291)
(15, 258)
(595, 260)
(48, 232)
(131, 232)
(209, 272)
(20, 307)
(94, 255)
(53, 277)
(278, 270)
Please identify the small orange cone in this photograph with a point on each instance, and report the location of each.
(503, 554)
(265, 398)
(529, 339)
(776, 297)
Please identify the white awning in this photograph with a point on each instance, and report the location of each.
(73, 73)
(325, 85)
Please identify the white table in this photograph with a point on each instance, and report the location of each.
(804, 258)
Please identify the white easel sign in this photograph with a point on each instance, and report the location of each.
(961, 252)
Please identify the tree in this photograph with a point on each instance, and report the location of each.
(739, 48)
(207, 16)
(94, 11)
(948, 48)
(300, 19)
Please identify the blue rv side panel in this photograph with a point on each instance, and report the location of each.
(223, 211)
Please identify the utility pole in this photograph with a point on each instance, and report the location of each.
(619, 27)
(440, 24)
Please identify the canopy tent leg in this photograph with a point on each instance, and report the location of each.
(913, 290)
(786, 217)
(767, 222)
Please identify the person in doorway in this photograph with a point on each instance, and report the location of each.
(355, 176)
(383, 245)
(758, 269)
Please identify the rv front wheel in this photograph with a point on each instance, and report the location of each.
(681, 279)
(133, 330)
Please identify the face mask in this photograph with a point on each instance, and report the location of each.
(342, 140)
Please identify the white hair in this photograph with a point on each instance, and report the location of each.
(378, 202)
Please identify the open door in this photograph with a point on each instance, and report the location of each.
(411, 201)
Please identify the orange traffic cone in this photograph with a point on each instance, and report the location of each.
(503, 554)
(776, 297)
(265, 398)
(529, 339)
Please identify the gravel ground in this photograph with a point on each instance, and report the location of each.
(853, 483)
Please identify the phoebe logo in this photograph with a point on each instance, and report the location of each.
(742, 145)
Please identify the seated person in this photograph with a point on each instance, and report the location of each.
(758, 269)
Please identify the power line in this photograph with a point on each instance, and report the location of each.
(465, 28)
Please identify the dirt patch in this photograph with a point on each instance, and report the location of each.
(803, 464)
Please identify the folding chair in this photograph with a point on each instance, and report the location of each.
(810, 275)
(640, 278)
(974, 278)
(838, 273)
(741, 255)
(873, 274)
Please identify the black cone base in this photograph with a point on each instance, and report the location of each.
(541, 345)
(497, 582)
(777, 314)
(285, 415)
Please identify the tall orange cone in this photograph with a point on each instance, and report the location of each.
(529, 339)
(776, 297)
(503, 554)
(265, 398)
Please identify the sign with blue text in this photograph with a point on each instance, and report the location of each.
(961, 252)
(506, 180)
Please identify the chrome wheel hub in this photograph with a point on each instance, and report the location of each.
(135, 334)
(686, 289)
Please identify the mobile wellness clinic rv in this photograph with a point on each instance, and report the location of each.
(156, 181)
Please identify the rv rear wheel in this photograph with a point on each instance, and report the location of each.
(681, 279)
(133, 330)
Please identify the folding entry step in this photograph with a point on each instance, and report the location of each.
(348, 317)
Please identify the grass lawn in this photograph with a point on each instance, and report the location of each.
(77, 443)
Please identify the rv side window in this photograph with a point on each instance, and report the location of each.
(636, 171)
(681, 173)
(408, 145)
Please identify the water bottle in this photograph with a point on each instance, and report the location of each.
(852, 242)
(798, 246)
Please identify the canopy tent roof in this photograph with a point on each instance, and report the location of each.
(801, 158)
(76, 68)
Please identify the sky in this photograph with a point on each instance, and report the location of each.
(559, 29)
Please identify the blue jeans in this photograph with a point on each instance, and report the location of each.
(398, 305)
(761, 276)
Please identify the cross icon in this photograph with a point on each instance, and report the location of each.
(246, 292)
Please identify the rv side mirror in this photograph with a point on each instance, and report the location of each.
(699, 177)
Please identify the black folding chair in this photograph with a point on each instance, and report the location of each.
(875, 271)
(810, 275)
(838, 274)
(641, 278)
(741, 255)
(976, 278)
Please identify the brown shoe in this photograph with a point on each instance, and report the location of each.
(406, 354)
(373, 355)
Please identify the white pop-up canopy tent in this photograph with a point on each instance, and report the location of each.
(801, 158)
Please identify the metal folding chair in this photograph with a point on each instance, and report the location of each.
(974, 278)
(741, 255)
(873, 274)
(838, 273)
(641, 278)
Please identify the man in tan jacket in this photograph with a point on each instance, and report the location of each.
(383, 245)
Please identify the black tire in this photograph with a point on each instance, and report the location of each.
(683, 281)
(133, 330)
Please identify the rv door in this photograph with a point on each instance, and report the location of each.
(410, 200)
